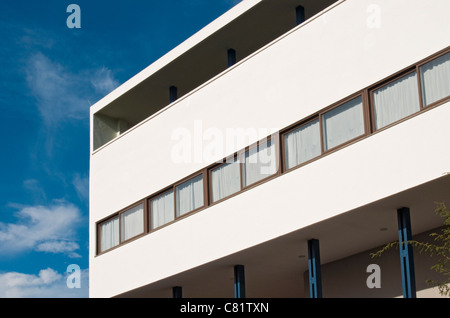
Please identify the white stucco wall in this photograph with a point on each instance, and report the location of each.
(321, 62)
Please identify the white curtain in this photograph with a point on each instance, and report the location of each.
(132, 222)
(302, 144)
(225, 180)
(109, 234)
(435, 77)
(396, 100)
(189, 195)
(259, 163)
(343, 123)
(162, 210)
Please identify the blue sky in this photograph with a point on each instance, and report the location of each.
(50, 75)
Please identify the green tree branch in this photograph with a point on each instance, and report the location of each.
(439, 248)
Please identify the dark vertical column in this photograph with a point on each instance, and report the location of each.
(177, 292)
(231, 57)
(406, 253)
(173, 94)
(300, 14)
(315, 276)
(239, 281)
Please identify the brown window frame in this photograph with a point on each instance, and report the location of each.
(149, 208)
(173, 189)
(386, 82)
(118, 215)
(422, 63)
(404, 72)
(223, 162)
(99, 233)
(335, 106)
(239, 156)
(247, 149)
(293, 128)
(205, 194)
(319, 116)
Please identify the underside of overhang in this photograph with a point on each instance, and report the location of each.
(276, 268)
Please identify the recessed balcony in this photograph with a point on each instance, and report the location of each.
(211, 51)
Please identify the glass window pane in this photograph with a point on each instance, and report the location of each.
(109, 234)
(189, 195)
(302, 144)
(132, 222)
(396, 100)
(343, 123)
(435, 76)
(259, 163)
(162, 210)
(225, 180)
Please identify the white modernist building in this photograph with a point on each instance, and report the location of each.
(273, 151)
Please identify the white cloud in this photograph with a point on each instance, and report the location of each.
(41, 228)
(47, 284)
(14, 279)
(81, 184)
(61, 94)
(103, 81)
(55, 90)
(34, 188)
(56, 247)
(32, 37)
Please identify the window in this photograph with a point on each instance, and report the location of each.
(122, 227)
(162, 209)
(343, 123)
(225, 180)
(109, 232)
(132, 222)
(435, 78)
(302, 144)
(189, 195)
(396, 100)
(259, 163)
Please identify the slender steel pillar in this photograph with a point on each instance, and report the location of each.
(177, 292)
(239, 281)
(300, 14)
(406, 253)
(173, 93)
(231, 57)
(315, 276)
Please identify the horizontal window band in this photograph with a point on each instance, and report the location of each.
(417, 83)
